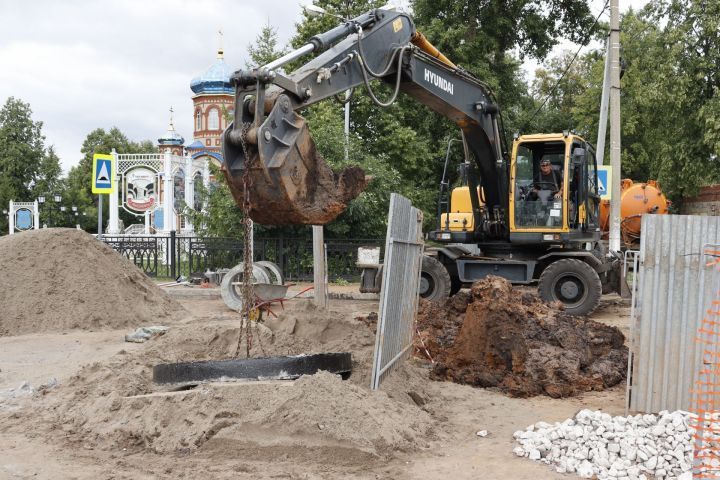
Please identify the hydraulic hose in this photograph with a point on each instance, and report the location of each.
(399, 52)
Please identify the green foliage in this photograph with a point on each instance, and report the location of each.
(482, 36)
(670, 107)
(265, 49)
(561, 93)
(27, 168)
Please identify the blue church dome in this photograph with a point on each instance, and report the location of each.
(216, 79)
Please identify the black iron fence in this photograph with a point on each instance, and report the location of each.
(173, 255)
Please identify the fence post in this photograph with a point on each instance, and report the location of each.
(319, 258)
(155, 262)
(172, 254)
(190, 259)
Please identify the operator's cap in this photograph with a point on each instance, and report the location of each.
(545, 162)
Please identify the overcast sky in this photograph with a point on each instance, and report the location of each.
(85, 64)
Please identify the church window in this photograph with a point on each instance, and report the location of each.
(198, 120)
(213, 119)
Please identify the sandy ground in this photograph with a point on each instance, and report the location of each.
(456, 452)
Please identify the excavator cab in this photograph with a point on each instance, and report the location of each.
(553, 188)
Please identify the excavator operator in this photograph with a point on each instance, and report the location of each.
(548, 179)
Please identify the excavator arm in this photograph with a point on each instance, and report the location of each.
(271, 162)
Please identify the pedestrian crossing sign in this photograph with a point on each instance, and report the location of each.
(604, 177)
(103, 173)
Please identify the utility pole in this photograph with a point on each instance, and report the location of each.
(604, 98)
(615, 125)
(347, 125)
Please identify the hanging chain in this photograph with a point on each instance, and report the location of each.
(248, 296)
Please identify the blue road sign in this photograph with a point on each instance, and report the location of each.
(604, 178)
(103, 173)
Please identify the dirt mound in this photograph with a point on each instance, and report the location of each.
(523, 346)
(115, 405)
(60, 279)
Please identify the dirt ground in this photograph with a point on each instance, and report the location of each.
(30, 447)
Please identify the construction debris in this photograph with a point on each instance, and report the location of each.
(597, 444)
(514, 341)
(143, 334)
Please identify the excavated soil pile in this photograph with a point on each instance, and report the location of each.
(114, 405)
(519, 344)
(60, 279)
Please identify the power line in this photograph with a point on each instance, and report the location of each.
(567, 69)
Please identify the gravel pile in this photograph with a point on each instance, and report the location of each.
(595, 443)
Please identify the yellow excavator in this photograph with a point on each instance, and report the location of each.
(534, 214)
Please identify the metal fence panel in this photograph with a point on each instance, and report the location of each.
(669, 310)
(399, 289)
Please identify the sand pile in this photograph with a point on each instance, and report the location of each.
(515, 342)
(60, 279)
(114, 404)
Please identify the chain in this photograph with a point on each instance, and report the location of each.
(248, 296)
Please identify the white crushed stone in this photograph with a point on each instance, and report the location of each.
(613, 448)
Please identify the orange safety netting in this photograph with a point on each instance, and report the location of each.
(705, 400)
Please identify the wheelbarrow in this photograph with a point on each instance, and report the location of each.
(267, 285)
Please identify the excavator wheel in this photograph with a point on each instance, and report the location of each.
(572, 282)
(434, 280)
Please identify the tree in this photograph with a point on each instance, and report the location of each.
(557, 90)
(670, 101)
(22, 151)
(265, 49)
(48, 178)
(27, 169)
(483, 36)
(687, 82)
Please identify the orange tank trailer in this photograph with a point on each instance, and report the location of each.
(636, 199)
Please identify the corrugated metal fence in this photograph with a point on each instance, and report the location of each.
(671, 300)
(399, 289)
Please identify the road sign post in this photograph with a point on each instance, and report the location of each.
(103, 181)
(99, 235)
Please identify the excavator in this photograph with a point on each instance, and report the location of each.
(506, 219)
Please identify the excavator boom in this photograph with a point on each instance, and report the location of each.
(271, 162)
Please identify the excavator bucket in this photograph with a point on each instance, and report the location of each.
(288, 182)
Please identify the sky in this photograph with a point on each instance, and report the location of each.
(87, 64)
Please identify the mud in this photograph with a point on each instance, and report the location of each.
(300, 188)
(513, 341)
